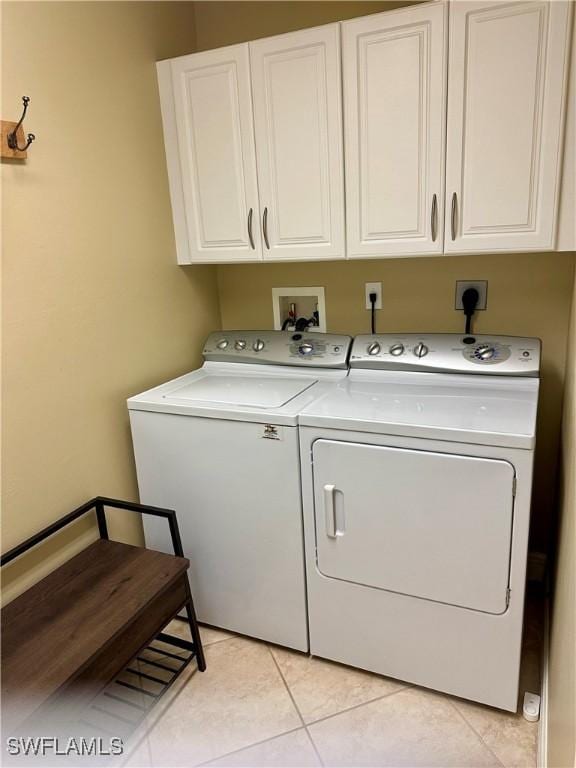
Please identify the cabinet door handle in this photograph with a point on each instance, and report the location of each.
(250, 237)
(453, 216)
(330, 511)
(265, 227)
(434, 218)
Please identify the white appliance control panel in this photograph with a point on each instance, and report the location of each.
(313, 350)
(448, 353)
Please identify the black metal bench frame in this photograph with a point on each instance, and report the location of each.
(98, 505)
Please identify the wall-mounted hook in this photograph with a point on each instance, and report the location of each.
(12, 138)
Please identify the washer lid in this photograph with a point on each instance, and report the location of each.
(261, 394)
(250, 391)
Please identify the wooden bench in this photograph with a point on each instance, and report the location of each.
(68, 636)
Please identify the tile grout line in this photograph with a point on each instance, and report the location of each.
(292, 699)
(314, 747)
(221, 640)
(246, 746)
(469, 724)
(148, 749)
(143, 738)
(205, 646)
(407, 687)
(249, 746)
(153, 719)
(349, 709)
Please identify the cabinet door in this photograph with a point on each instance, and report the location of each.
(213, 165)
(394, 68)
(298, 126)
(506, 84)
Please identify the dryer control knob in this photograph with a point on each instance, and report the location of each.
(306, 348)
(420, 350)
(222, 344)
(485, 352)
(258, 345)
(373, 348)
(240, 344)
(397, 349)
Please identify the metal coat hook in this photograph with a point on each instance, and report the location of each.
(12, 138)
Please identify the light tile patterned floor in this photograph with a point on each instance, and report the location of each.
(261, 705)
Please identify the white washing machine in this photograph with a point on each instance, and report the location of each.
(416, 477)
(220, 446)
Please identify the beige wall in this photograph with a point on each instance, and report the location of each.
(562, 670)
(225, 23)
(528, 295)
(95, 307)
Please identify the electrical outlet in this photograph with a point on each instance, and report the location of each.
(480, 285)
(377, 289)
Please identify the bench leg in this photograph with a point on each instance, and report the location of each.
(194, 630)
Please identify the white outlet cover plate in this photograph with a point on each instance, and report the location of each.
(377, 289)
(480, 285)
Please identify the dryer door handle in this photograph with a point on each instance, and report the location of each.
(330, 510)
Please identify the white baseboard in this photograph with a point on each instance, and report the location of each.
(542, 751)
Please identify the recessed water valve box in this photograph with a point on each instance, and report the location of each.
(291, 305)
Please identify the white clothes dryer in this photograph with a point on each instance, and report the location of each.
(416, 477)
(220, 446)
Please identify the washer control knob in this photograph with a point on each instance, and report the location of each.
(258, 345)
(240, 344)
(420, 350)
(373, 348)
(397, 350)
(222, 344)
(485, 352)
(306, 348)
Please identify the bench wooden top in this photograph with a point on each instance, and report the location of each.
(52, 631)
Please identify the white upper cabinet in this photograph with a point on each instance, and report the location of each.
(297, 120)
(208, 129)
(443, 125)
(281, 197)
(507, 78)
(394, 70)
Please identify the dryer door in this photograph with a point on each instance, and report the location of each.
(432, 525)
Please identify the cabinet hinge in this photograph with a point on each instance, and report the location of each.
(507, 596)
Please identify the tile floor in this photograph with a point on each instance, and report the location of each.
(261, 705)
